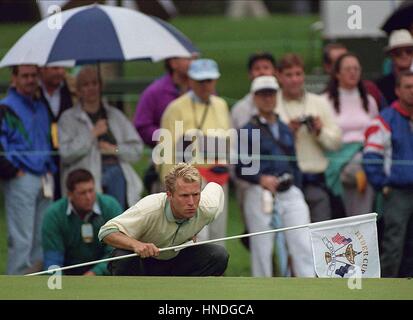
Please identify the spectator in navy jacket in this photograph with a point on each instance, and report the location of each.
(277, 143)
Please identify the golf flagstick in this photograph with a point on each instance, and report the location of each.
(186, 245)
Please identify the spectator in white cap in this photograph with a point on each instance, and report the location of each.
(199, 112)
(272, 199)
(400, 50)
(259, 64)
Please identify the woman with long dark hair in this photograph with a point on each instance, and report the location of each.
(353, 108)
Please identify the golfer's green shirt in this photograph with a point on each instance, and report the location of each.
(62, 236)
(151, 220)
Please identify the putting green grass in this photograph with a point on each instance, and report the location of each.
(192, 288)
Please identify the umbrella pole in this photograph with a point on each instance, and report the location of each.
(100, 82)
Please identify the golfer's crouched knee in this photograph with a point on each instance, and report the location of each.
(208, 260)
(219, 258)
(124, 267)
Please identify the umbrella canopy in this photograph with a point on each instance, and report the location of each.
(98, 33)
(401, 18)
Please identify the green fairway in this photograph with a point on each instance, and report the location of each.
(217, 288)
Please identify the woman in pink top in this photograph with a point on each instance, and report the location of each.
(354, 108)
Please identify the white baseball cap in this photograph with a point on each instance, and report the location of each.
(264, 83)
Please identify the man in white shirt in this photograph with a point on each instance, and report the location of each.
(259, 64)
(315, 130)
(55, 91)
(169, 219)
(56, 95)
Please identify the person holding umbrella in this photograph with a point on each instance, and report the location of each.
(58, 97)
(99, 138)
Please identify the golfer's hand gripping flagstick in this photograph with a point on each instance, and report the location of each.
(192, 244)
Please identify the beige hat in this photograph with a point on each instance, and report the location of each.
(399, 39)
(264, 83)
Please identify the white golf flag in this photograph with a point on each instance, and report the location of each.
(343, 247)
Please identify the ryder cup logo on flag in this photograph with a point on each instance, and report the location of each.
(342, 245)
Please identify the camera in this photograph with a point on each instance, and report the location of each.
(285, 181)
(308, 121)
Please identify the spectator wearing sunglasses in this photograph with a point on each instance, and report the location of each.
(400, 51)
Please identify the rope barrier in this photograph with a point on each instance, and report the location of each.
(233, 158)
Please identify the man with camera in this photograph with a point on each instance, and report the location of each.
(272, 190)
(315, 131)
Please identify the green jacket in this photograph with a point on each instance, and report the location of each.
(62, 240)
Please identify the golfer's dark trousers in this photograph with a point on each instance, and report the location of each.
(202, 260)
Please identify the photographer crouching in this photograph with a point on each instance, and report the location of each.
(272, 194)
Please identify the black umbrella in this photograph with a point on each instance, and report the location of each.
(401, 18)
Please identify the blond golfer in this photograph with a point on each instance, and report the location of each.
(168, 219)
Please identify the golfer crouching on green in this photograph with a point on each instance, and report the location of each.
(168, 219)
